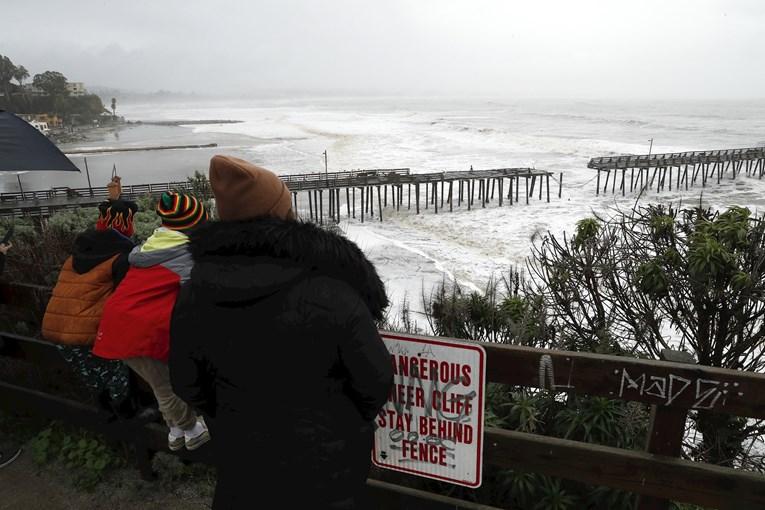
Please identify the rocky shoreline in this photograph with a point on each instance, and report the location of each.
(81, 133)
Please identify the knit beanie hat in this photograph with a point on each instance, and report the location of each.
(180, 212)
(117, 214)
(244, 191)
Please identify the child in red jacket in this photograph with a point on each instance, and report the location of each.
(135, 326)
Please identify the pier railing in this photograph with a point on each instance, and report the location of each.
(688, 169)
(676, 158)
(672, 389)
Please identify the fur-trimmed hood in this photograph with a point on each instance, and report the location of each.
(245, 260)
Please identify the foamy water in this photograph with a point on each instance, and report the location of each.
(413, 253)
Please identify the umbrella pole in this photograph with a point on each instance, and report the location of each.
(87, 172)
(18, 178)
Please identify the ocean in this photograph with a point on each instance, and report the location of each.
(414, 253)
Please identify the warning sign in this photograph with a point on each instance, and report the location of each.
(432, 424)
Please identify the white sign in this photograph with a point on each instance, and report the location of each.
(432, 424)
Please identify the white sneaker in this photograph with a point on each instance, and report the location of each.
(197, 436)
(176, 439)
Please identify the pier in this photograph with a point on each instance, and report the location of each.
(437, 191)
(363, 194)
(659, 171)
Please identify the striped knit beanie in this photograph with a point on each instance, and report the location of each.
(118, 215)
(180, 212)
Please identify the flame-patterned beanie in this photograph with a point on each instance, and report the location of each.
(117, 214)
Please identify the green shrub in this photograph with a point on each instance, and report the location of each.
(517, 315)
(87, 457)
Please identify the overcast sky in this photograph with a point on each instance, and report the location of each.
(564, 48)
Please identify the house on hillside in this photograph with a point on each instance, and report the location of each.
(50, 121)
(31, 90)
(42, 127)
(76, 88)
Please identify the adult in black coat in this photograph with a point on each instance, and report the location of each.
(274, 339)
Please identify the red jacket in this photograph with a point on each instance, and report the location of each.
(136, 318)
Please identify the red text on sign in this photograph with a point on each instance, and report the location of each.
(423, 452)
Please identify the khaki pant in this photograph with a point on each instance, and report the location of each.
(175, 411)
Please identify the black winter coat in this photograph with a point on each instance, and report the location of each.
(274, 339)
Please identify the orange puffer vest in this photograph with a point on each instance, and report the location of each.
(75, 306)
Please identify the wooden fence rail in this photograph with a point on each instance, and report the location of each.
(658, 475)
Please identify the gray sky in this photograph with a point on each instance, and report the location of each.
(542, 48)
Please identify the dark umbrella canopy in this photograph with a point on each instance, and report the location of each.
(23, 148)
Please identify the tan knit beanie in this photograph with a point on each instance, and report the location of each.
(244, 191)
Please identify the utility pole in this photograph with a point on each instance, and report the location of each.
(326, 173)
(650, 147)
(21, 188)
(87, 172)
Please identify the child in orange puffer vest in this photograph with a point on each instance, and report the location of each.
(88, 277)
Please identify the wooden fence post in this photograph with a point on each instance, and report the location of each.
(665, 431)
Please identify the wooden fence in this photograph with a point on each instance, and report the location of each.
(671, 388)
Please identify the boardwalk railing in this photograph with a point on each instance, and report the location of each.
(672, 389)
(128, 190)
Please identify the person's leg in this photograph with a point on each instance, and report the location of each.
(185, 428)
(107, 379)
(175, 411)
